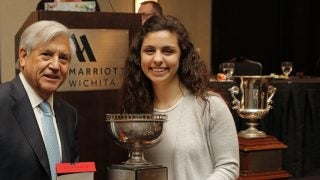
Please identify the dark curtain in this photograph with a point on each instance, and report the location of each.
(267, 31)
(295, 122)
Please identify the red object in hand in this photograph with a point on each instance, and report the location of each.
(63, 168)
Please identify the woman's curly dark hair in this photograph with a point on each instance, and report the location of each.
(137, 90)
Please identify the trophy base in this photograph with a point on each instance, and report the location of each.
(267, 175)
(261, 158)
(252, 133)
(132, 172)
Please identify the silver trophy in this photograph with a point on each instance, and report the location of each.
(136, 132)
(255, 102)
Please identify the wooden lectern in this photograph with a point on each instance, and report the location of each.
(95, 144)
(85, 20)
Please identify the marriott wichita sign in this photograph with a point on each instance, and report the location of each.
(99, 64)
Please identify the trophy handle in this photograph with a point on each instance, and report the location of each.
(271, 91)
(235, 90)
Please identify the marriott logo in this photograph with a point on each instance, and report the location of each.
(86, 48)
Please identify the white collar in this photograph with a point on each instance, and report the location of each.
(34, 98)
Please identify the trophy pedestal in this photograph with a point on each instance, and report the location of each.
(261, 158)
(124, 172)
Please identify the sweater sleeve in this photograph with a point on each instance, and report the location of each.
(223, 140)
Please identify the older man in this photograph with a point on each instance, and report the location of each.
(148, 9)
(38, 130)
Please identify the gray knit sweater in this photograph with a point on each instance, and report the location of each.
(197, 144)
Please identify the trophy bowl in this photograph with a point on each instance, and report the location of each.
(254, 102)
(136, 132)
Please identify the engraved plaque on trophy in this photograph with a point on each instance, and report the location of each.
(136, 132)
(260, 154)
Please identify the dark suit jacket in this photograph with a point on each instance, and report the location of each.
(22, 152)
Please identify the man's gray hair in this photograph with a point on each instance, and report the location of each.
(42, 32)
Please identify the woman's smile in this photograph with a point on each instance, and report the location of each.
(160, 55)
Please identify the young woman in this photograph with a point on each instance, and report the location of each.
(164, 75)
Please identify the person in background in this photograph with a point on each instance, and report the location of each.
(40, 5)
(45, 52)
(164, 75)
(148, 9)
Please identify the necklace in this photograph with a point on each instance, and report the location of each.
(171, 103)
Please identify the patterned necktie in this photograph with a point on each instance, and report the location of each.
(50, 138)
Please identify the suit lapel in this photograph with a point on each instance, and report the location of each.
(60, 118)
(66, 126)
(26, 119)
